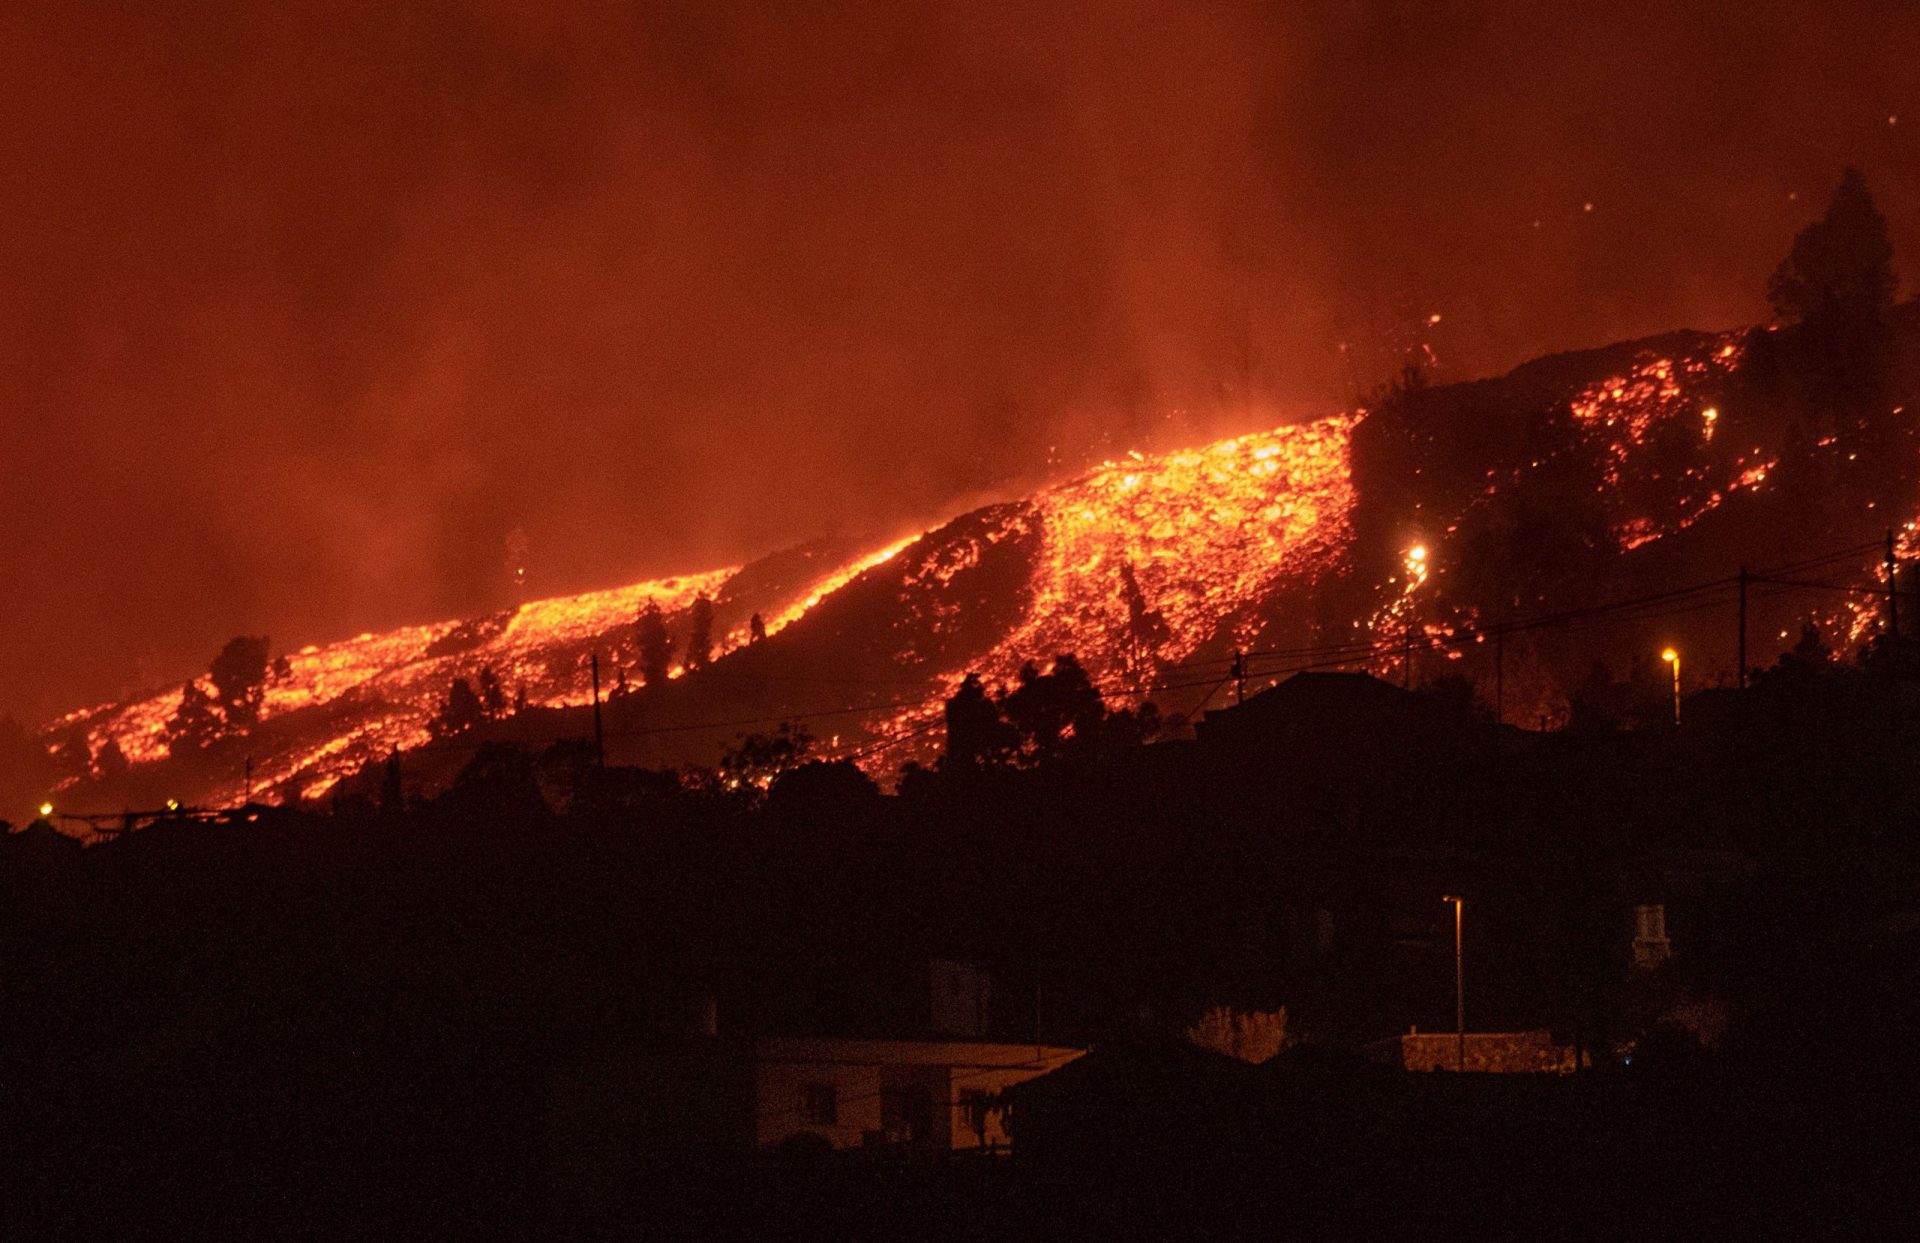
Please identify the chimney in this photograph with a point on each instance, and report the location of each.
(1650, 944)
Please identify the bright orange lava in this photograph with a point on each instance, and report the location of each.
(1203, 533)
(1140, 564)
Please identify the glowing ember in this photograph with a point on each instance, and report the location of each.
(1628, 413)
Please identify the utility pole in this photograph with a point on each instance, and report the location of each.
(1741, 647)
(1406, 665)
(1459, 985)
(1893, 596)
(1239, 677)
(248, 799)
(1499, 677)
(599, 734)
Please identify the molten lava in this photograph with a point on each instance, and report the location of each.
(1135, 568)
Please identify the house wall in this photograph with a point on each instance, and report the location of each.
(1496, 1052)
(861, 1074)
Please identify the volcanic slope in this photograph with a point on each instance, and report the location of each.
(1370, 538)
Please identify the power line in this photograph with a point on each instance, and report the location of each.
(1654, 604)
(1787, 582)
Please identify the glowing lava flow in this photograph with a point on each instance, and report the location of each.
(1202, 534)
(370, 694)
(1146, 559)
(1137, 567)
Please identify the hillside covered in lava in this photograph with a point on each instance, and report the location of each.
(1531, 541)
(1398, 537)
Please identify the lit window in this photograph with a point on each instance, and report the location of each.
(973, 1107)
(820, 1104)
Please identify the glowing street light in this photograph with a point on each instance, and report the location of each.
(1672, 657)
(46, 809)
(1459, 985)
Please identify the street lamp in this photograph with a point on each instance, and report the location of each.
(1672, 657)
(1459, 986)
(46, 810)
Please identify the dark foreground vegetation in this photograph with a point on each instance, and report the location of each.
(283, 1023)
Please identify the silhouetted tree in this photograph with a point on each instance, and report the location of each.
(1840, 270)
(1147, 626)
(1838, 283)
(700, 633)
(110, 762)
(823, 788)
(1891, 655)
(1808, 658)
(977, 734)
(459, 712)
(567, 771)
(756, 628)
(392, 798)
(239, 676)
(196, 722)
(755, 760)
(656, 646)
(501, 778)
(1056, 712)
(493, 696)
(1046, 717)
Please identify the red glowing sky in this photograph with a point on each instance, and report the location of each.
(306, 306)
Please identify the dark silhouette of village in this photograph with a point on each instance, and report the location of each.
(368, 1019)
(1107, 978)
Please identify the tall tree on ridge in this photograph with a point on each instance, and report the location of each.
(656, 646)
(700, 633)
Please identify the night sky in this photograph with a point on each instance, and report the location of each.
(305, 306)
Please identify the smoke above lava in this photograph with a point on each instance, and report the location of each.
(307, 307)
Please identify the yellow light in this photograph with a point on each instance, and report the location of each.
(46, 809)
(173, 804)
(1417, 553)
(1669, 656)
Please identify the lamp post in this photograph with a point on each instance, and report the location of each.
(1672, 657)
(1459, 986)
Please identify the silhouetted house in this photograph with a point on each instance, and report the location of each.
(1338, 728)
(1134, 1100)
(1532, 1052)
(909, 1095)
(1315, 710)
(924, 1095)
(917, 1078)
(39, 835)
